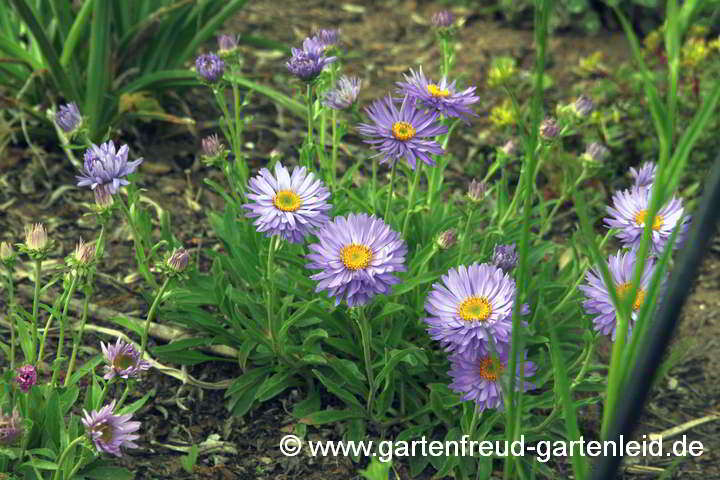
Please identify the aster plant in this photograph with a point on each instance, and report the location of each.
(289, 205)
(358, 257)
(442, 97)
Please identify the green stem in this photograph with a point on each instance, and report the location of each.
(309, 120)
(59, 471)
(465, 237)
(333, 156)
(390, 193)
(36, 303)
(411, 196)
(151, 315)
(270, 292)
(126, 391)
(139, 244)
(365, 335)
(11, 314)
(63, 323)
(78, 338)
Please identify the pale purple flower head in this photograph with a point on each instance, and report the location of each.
(505, 257)
(442, 97)
(122, 360)
(403, 132)
(442, 19)
(106, 166)
(210, 67)
(26, 377)
(358, 255)
(179, 259)
(447, 239)
(596, 152)
(109, 432)
(308, 62)
(476, 191)
(327, 37)
(478, 377)
(471, 305)
(645, 175)
(227, 43)
(621, 266)
(629, 212)
(68, 117)
(583, 106)
(344, 94)
(292, 206)
(549, 128)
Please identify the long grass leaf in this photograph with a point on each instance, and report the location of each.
(77, 32)
(98, 68)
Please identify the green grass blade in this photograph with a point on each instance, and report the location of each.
(162, 78)
(77, 32)
(98, 69)
(283, 100)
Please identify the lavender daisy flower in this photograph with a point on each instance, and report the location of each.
(442, 19)
(402, 133)
(122, 360)
(328, 37)
(289, 205)
(106, 166)
(109, 432)
(645, 175)
(505, 257)
(210, 67)
(478, 377)
(621, 266)
(471, 305)
(442, 97)
(26, 377)
(306, 64)
(629, 212)
(344, 94)
(358, 256)
(68, 117)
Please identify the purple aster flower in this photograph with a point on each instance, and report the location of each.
(505, 257)
(622, 267)
(344, 94)
(289, 205)
(68, 117)
(122, 360)
(358, 256)
(645, 175)
(26, 377)
(442, 97)
(308, 62)
(471, 305)
(327, 37)
(106, 166)
(478, 377)
(442, 19)
(402, 133)
(109, 432)
(11, 428)
(210, 67)
(629, 212)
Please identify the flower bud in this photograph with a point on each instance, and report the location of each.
(68, 117)
(179, 260)
(476, 191)
(510, 148)
(227, 44)
(442, 19)
(6, 252)
(583, 106)
(505, 257)
(213, 148)
(210, 67)
(447, 239)
(549, 128)
(596, 152)
(26, 377)
(36, 238)
(84, 253)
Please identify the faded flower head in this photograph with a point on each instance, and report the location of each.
(510, 148)
(598, 303)
(6, 252)
(308, 62)
(549, 128)
(210, 67)
(505, 257)
(476, 191)
(358, 256)
(291, 205)
(84, 253)
(106, 166)
(596, 152)
(447, 239)
(471, 305)
(629, 213)
(645, 175)
(327, 37)
(344, 94)
(110, 432)
(122, 360)
(442, 19)
(212, 147)
(36, 239)
(68, 117)
(583, 106)
(11, 428)
(402, 132)
(478, 377)
(227, 44)
(26, 377)
(442, 97)
(178, 260)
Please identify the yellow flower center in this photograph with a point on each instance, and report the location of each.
(438, 92)
(491, 369)
(642, 215)
(287, 201)
(356, 256)
(475, 308)
(403, 131)
(622, 291)
(121, 362)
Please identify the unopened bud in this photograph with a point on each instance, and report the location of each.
(442, 19)
(84, 253)
(583, 106)
(510, 148)
(26, 377)
(447, 239)
(179, 260)
(476, 191)
(549, 128)
(596, 152)
(6, 251)
(36, 238)
(504, 257)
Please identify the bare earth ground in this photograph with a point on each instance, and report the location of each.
(384, 39)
